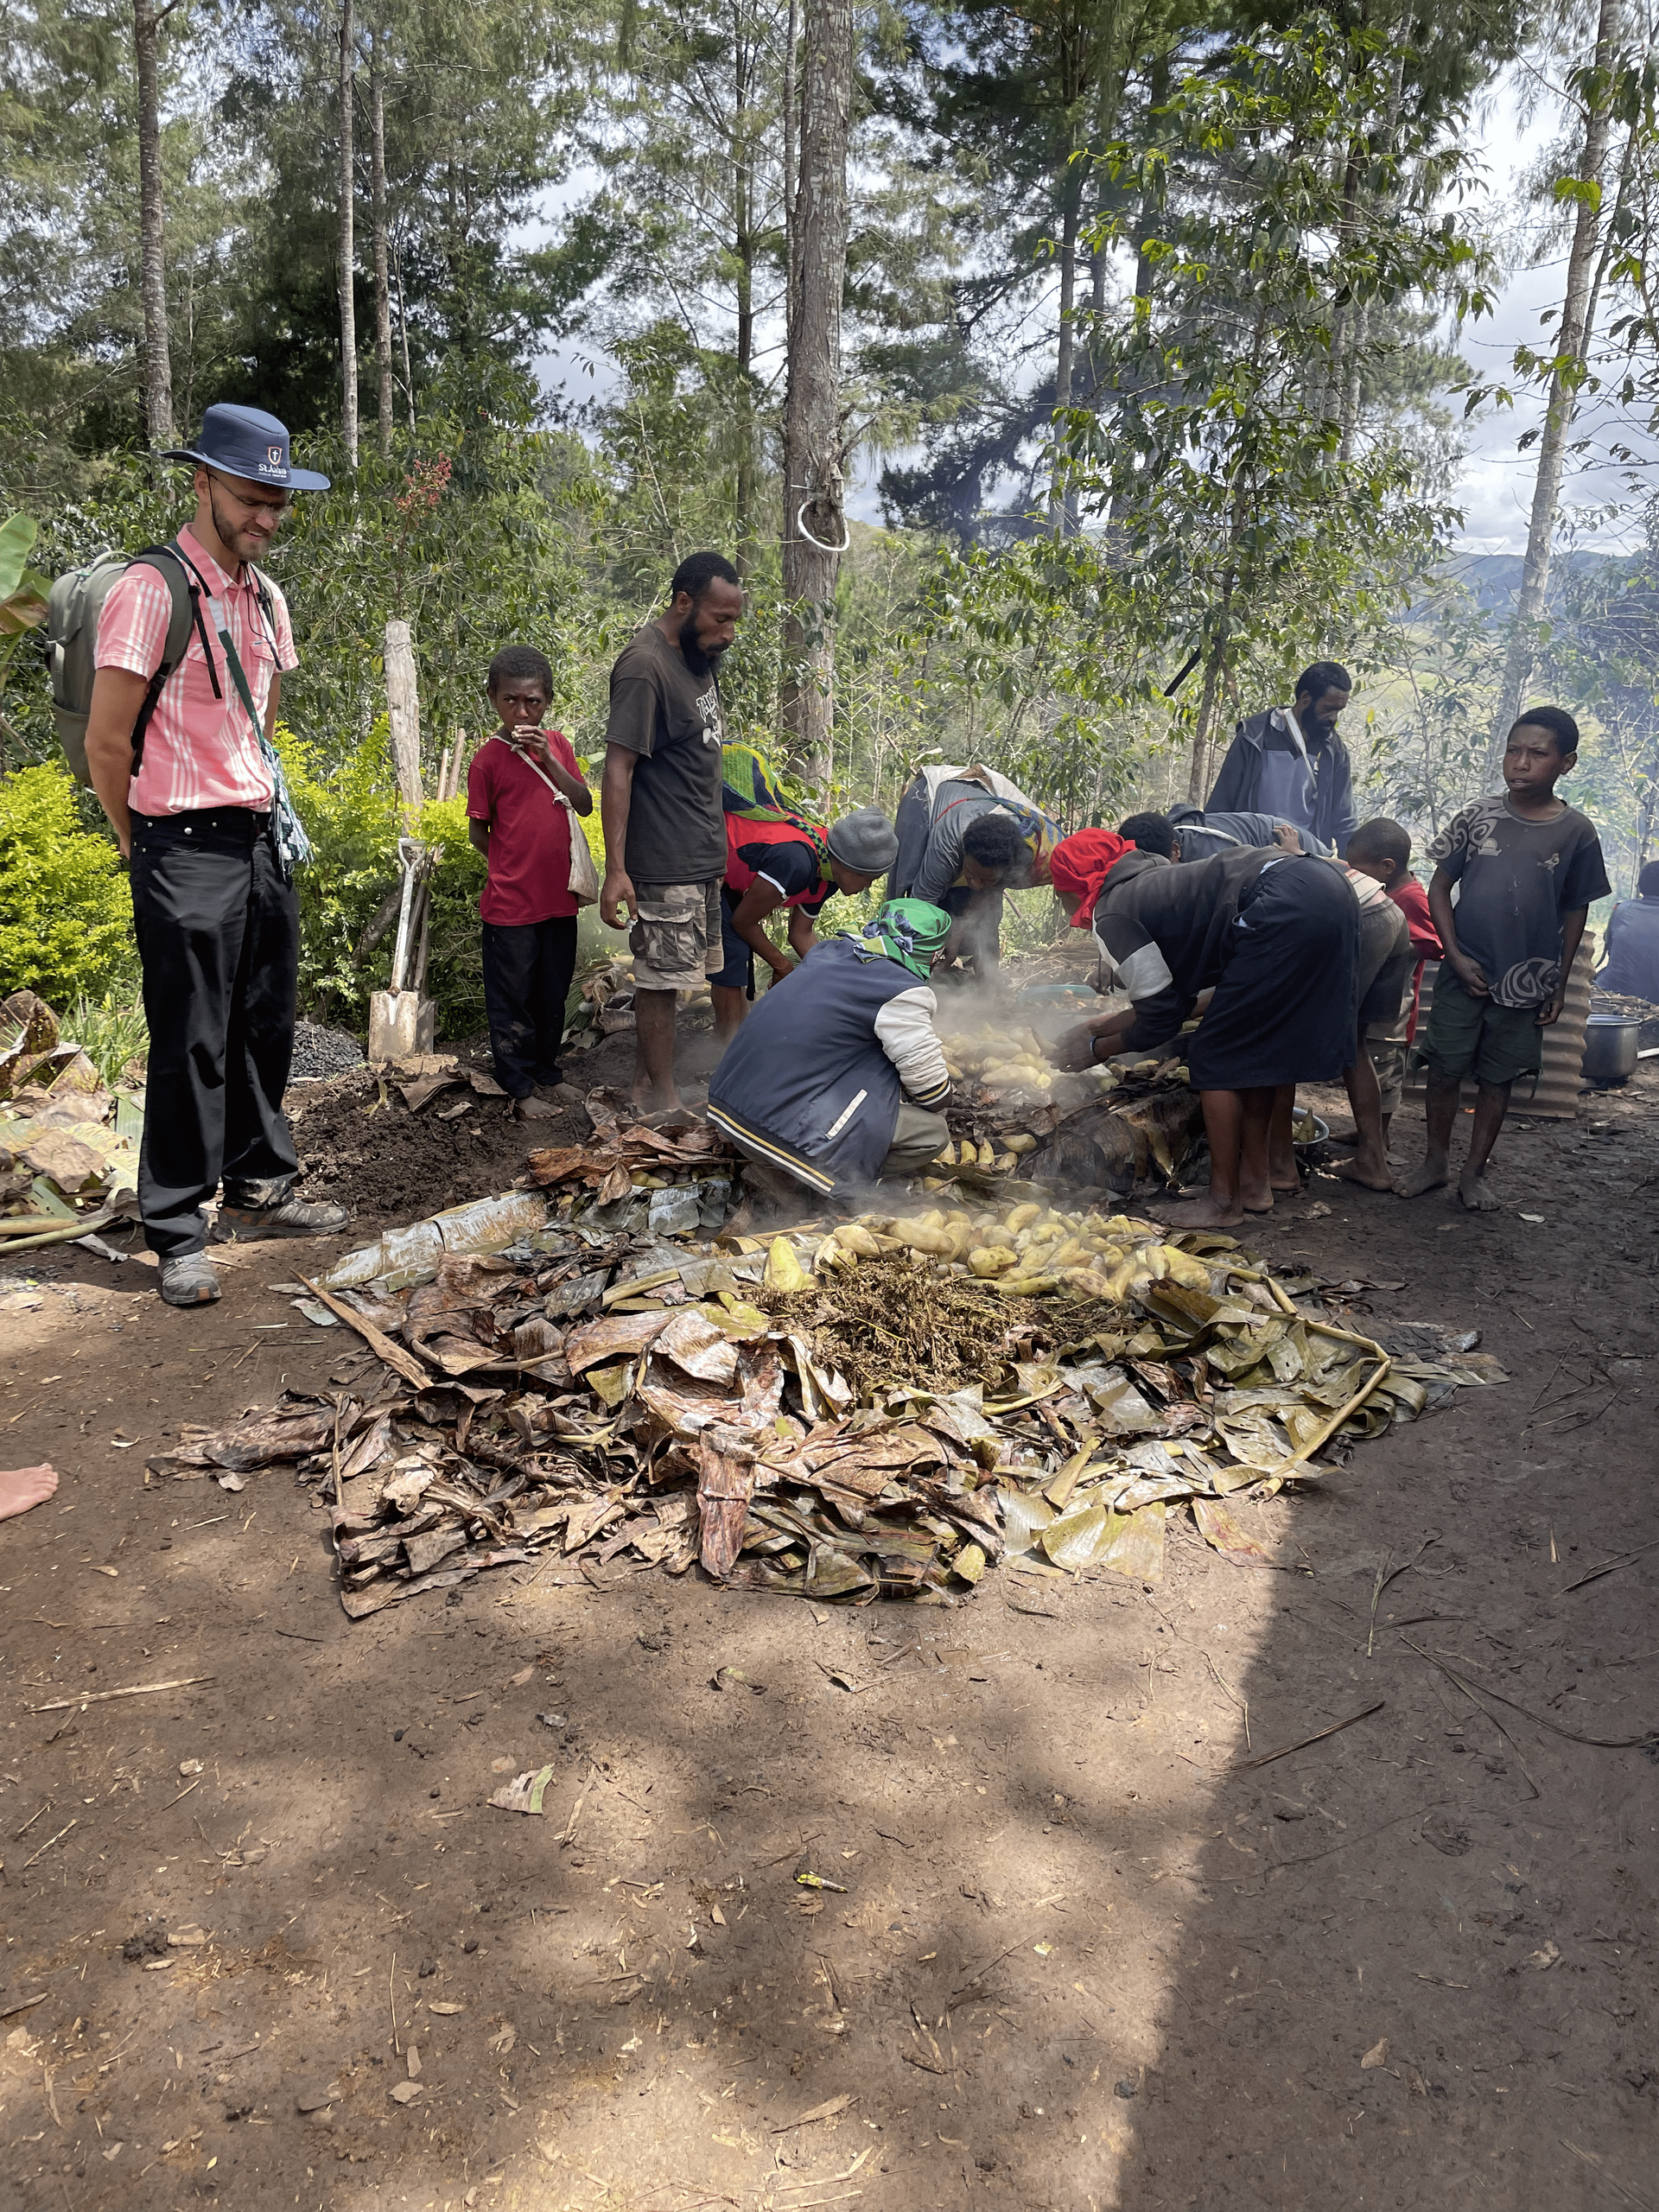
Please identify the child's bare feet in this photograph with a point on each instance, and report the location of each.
(1478, 1193)
(533, 1110)
(1205, 1212)
(1431, 1176)
(22, 1487)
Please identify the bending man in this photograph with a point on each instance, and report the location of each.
(1275, 935)
(965, 835)
(838, 1076)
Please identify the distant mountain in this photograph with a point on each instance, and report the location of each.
(1495, 578)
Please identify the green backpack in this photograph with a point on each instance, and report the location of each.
(71, 618)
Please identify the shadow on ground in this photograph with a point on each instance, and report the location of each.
(1065, 1951)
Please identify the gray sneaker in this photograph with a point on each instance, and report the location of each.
(292, 1217)
(189, 1279)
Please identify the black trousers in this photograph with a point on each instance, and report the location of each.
(219, 937)
(527, 971)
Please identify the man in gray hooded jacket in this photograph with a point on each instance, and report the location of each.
(1290, 763)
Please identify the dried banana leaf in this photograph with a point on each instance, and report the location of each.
(1223, 1533)
(1137, 1550)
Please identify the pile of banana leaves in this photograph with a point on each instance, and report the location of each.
(69, 1144)
(888, 1406)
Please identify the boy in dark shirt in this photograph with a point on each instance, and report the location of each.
(1526, 867)
(521, 789)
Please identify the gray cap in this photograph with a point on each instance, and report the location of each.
(866, 841)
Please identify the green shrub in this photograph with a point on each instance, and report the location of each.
(353, 816)
(112, 1031)
(66, 912)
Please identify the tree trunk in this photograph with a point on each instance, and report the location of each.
(792, 164)
(1356, 323)
(743, 245)
(347, 249)
(1571, 346)
(402, 333)
(814, 516)
(1197, 774)
(146, 19)
(382, 276)
(1344, 322)
(1065, 350)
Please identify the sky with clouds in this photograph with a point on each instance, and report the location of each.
(1494, 485)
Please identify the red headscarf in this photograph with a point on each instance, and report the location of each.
(1079, 866)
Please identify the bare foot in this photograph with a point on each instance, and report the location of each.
(1206, 1213)
(1432, 1175)
(1363, 1170)
(532, 1109)
(1478, 1193)
(648, 1099)
(21, 1487)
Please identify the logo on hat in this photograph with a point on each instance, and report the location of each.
(246, 441)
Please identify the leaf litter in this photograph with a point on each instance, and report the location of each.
(888, 1406)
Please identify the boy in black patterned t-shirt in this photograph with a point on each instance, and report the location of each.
(1526, 867)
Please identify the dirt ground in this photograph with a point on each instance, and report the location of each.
(359, 1144)
(1080, 1956)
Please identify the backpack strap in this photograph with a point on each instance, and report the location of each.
(170, 564)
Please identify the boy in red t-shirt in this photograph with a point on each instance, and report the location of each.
(521, 789)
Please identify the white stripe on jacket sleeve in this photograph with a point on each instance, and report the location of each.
(905, 1030)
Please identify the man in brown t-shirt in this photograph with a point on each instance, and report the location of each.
(660, 806)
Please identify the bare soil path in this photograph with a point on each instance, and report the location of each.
(1079, 1956)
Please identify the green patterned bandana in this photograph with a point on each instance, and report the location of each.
(908, 930)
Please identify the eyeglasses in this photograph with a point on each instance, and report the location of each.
(276, 506)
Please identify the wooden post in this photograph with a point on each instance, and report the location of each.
(401, 1022)
(404, 712)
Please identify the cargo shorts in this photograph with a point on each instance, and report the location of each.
(674, 939)
(1388, 1058)
(1465, 1036)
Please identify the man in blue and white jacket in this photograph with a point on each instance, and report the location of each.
(837, 1075)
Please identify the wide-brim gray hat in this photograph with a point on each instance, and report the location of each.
(866, 841)
(245, 441)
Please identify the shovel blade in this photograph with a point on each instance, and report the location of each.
(401, 1024)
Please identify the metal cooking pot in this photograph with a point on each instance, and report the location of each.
(1610, 1047)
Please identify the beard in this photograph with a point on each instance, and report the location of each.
(699, 661)
(246, 545)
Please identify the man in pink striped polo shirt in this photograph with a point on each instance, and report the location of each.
(198, 806)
